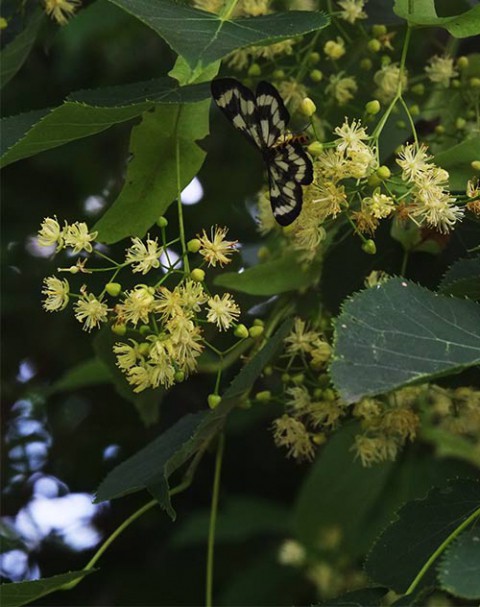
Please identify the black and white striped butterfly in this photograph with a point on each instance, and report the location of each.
(263, 118)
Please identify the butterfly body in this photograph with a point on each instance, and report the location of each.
(263, 118)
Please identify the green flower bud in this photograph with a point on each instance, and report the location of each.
(372, 107)
(197, 275)
(308, 107)
(374, 180)
(193, 246)
(214, 400)
(179, 376)
(278, 74)
(414, 110)
(299, 378)
(418, 89)
(258, 322)
(318, 393)
(113, 288)
(463, 62)
(241, 331)
(379, 30)
(460, 123)
(313, 58)
(264, 396)
(374, 45)
(401, 124)
(316, 76)
(268, 371)
(369, 247)
(285, 378)
(144, 348)
(475, 164)
(440, 129)
(384, 172)
(119, 329)
(254, 70)
(145, 330)
(329, 394)
(315, 148)
(162, 222)
(385, 60)
(255, 332)
(366, 64)
(456, 84)
(474, 83)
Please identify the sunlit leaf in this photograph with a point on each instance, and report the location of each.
(399, 333)
(201, 37)
(17, 594)
(421, 527)
(165, 158)
(423, 13)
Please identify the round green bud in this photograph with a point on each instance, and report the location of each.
(318, 393)
(401, 124)
(144, 330)
(374, 180)
(144, 348)
(385, 60)
(278, 74)
(418, 89)
(268, 370)
(329, 394)
(324, 380)
(460, 123)
(414, 110)
(298, 378)
(475, 164)
(369, 247)
(179, 376)
(254, 70)
(245, 403)
(241, 331)
(372, 107)
(383, 172)
(313, 58)
(113, 288)
(255, 332)
(374, 45)
(258, 322)
(366, 64)
(440, 129)
(214, 400)
(162, 222)
(379, 30)
(197, 275)
(193, 246)
(264, 396)
(471, 114)
(319, 438)
(316, 76)
(474, 83)
(456, 84)
(285, 378)
(315, 148)
(119, 329)
(308, 107)
(463, 62)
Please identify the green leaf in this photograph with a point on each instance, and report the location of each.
(165, 159)
(17, 594)
(240, 519)
(88, 373)
(13, 56)
(421, 527)
(202, 38)
(147, 402)
(399, 334)
(86, 113)
(339, 495)
(365, 597)
(151, 467)
(457, 161)
(272, 277)
(423, 13)
(459, 570)
(462, 279)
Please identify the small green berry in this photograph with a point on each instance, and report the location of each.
(366, 64)
(119, 329)
(463, 62)
(145, 330)
(460, 123)
(418, 89)
(369, 247)
(264, 396)
(372, 107)
(278, 74)
(374, 45)
(254, 70)
(456, 84)
(414, 110)
(308, 107)
(162, 222)
(329, 394)
(113, 288)
(179, 376)
(197, 275)
(374, 180)
(316, 76)
(255, 332)
(214, 400)
(313, 58)
(144, 348)
(474, 83)
(379, 30)
(193, 246)
(440, 129)
(383, 172)
(315, 148)
(241, 331)
(401, 124)
(475, 164)
(258, 322)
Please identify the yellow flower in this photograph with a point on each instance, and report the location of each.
(140, 376)
(143, 258)
(300, 340)
(127, 356)
(291, 553)
(90, 311)
(387, 80)
(57, 292)
(332, 199)
(342, 89)
(334, 49)
(61, 10)
(216, 249)
(50, 233)
(223, 311)
(441, 70)
(137, 305)
(352, 10)
(379, 205)
(78, 237)
(291, 433)
(351, 136)
(413, 160)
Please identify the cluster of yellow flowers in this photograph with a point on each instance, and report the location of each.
(167, 321)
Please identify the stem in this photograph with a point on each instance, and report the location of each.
(403, 269)
(228, 9)
(213, 519)
(179, 203)
(441, 549)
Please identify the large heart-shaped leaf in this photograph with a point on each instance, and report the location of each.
(201, 37)
(459, 570)
(423, 12)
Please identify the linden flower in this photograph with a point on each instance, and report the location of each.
(90, 311)
(413, 161)
(291, 433)
(351, 136)
(185, 342)
(334, 50)
(300, 340)
(223, 311)
(361, 162)
(78, 237)
(50, 233)
(388, 79)
(436, 209)
(332, 198)
(300, 401)
(127, 356)
(291, 553)
(331, 165)
(373, 450)
(140, 376)
(216, 249)
(379, 205)
(57, 292)
(143, 257)
(352, 10)
(136, 307)
(293, 93)
(341, 88)
(441, 70)
(61, 10)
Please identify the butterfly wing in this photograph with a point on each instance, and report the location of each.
(272, 115)
(237, 102)
(289, 168)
